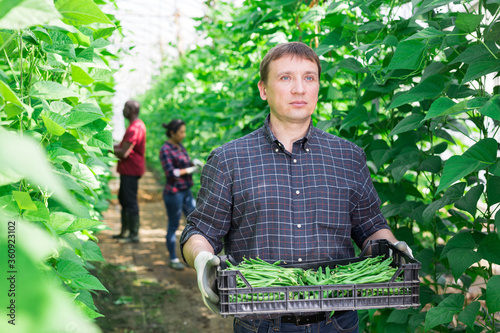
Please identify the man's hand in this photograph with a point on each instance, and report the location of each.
(205, 265)
(403, 247)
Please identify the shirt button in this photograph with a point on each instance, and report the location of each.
(294, 160)
(299, 226)
(307, 149)
(276, 150)
(297, 192)
(299, 260)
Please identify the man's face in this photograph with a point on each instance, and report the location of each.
(126, 112)
(291, 89)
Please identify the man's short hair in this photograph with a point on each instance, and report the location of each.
(134, 106)
(293, 49)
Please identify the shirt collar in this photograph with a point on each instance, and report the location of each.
(275, 142)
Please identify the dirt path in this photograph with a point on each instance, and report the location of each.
(145, 295)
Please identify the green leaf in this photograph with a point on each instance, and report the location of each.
(87, 282)
(51, 90)
(493, 190)
(23, 200)
(439, 107)
(9, 95)
(493, 33)
(428, 5)
(53, 127)
(60, 221)
(479, 156)
(451, 195)
(462, 240)
(81, 12)
(431, 164)
(492, 108)
(85, 176)
(408, 55)
(489, 249)
(497, 220)
(495, 169)
(460, 260)
(42, 34)
(91, 251)
(469, 201)
(355, 117)
(427, 33)
(429, 88)
(403, 163)
(85, 297)
(70, 269)
(471, 54)
(81, 224)
(331, 42)
(468, 22)
(456, 168)
(87, 311)
(315, 14)
(444, 108)
(22, 14)
(102, 140)
(9, 207)
(469, 314)
(352, 64)
(481, 68)
(443, 313)
(12, 110)
(40, 214)
(83, 114)
(484, 151)
(79, 75)
(69, 142)
(409, 123)
(493, 294)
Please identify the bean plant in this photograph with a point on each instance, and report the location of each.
(411, 82)
(55, 109)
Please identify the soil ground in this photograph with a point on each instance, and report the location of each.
(145, 294)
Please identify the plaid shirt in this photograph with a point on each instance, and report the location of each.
(173, 157)
(257, 199)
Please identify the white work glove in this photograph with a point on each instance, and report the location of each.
(403, 247)
(193, 169)
(205, 265)
(189, 170)
(198, 163)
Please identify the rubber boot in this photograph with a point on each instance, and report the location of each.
(134, 229)
(125, 226)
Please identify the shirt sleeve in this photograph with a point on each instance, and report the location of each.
(366, 217)
(212, 216)
(132, 135)
(166, 162)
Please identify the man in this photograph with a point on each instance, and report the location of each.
(287, 191)
(130, 167)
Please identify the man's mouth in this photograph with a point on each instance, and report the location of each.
(298, 103)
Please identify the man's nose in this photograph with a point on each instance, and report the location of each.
(298, 87)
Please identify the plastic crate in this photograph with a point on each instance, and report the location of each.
(240, 302)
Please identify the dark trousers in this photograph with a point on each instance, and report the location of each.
(343, 322)
(127, 195)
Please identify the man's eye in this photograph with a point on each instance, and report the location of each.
(285, 78)
(309, 78)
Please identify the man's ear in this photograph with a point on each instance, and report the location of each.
(262, 90)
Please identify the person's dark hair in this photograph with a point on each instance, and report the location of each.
(294, 49)
(134, 106)
(173, 126)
